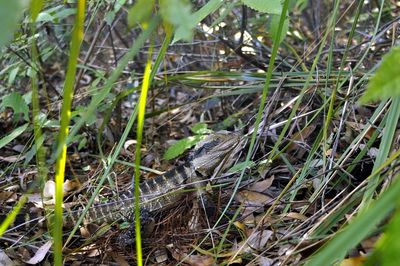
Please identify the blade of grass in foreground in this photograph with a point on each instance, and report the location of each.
(359, 228)
(139, 132)
(77, 36)
(147, 79)
(388, 138)
(12, 215)
(139, 42)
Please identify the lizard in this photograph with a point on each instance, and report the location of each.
(210, 157)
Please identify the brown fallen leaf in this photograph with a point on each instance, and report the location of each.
(258, 239)
(5, 260)
(263, 185)
(195, 260)
(300, 137)
(8, 196)
(40, 253)
(69, 186)
(120, 260)
(253, 199)
(12, 159)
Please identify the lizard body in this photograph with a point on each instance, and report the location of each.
(211, 156)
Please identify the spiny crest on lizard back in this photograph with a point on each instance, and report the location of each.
(215, 153)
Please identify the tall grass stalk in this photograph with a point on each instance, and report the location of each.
(77, 37)
(139, 133)
(265, 91)
(362, 225)
(384, 148)
(40, 159)
(92, 107)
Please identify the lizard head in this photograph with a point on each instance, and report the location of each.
(216, 153)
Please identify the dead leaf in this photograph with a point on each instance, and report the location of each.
(253, 199)
(187, 117)
(264, 261)
(300, 137)
(240, 225)
(70, 186)
(49, 190)
(259, 239)
(256, 241)
(8, 196)
(128, 143)
(262, 186)
(5, 260)
(161, 255)
(249, 218)
(12, 159)
(200, 260)
(19, 148)
(120, 260)
(36, 199)
(40, 253)
(295, 215)
(95, 252)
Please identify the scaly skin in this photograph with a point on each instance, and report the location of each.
(211, 156)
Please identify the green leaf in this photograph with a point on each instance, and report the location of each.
(201, 129)
(388, 246)
(386, 81)
(44, 17)
(32, 151)
(140, 12)
(110, 16)
(180, 147)
(270, 6)
(10, 13)
(82, 143)
(79, 112)
(12, 75)
(64, 13)
(178, 14)
(274, 25)
(15, 101)
(206, 10)
(36, 6)
(27, 97)
(10, 137)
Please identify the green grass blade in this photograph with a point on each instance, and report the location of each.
(384, 148)
(123, 62)
(139, 133)
(265, 91)
(35, 8)
(105, 90)
(77, 37)
(15, 133)
(358, 228)
(12, 215)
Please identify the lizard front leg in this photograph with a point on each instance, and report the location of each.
(147, 224)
